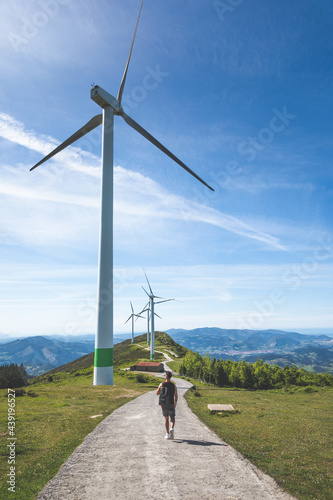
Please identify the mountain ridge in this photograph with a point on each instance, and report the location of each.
(312, 352)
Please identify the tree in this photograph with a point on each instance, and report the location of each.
(290, 375)
(220, 375)
(245, 374)
(12, 376)
(234, 377)
(261, 375)
(277, 378)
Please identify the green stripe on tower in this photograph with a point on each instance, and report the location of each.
(103, 357)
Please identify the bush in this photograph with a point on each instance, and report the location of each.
(32, 394)
(19, 392)
(142, 379)
(310, 388)
(12, 376)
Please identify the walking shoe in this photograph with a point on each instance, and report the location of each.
(167, 436)
(172, 433)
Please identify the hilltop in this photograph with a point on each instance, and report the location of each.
(125, 354)
(41, 354)
(312, 352)
(68, 407)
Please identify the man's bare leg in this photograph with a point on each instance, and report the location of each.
(167, 424)
(172, 422)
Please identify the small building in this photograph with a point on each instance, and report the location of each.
(148, 367)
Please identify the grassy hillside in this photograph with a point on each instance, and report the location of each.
(125, 354)
(54, 413)
(287, 434)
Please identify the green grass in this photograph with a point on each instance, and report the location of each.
(288, 435)
(174, 365)
(53, 417)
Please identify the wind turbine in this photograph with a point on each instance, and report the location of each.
(103, 364)
(152, 315)
(147, 309)
(132, 316)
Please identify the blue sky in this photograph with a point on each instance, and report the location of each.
(241, 91)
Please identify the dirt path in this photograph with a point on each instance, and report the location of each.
(127, 458)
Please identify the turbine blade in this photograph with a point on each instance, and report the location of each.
(151, 291)
(128, 319)
(132, 123)
(161, 301)
(93, 123)
(123, 80)
(145, 291)
(132, 307)
(157, 315)
(145, 309)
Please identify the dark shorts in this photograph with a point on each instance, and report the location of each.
(168, 411)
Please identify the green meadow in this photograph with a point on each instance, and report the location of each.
(57, 410)
(286, 433)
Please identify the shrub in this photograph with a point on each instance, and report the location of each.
(32, 394)
(20, 392)
(12, 376)
(310, 388)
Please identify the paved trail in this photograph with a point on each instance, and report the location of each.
(127, 458)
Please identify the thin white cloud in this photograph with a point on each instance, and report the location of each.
(136, 195)
(75, 158)
(148, 197)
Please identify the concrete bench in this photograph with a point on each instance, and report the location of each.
(221, 408)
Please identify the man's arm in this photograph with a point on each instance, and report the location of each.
(159, 389)
(176, 397)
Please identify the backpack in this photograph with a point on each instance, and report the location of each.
(167, 393)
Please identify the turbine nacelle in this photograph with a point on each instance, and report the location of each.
(104, 99)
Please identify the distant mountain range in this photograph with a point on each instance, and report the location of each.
(312, 352)
(40, 354)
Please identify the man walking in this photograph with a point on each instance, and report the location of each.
(167, 392)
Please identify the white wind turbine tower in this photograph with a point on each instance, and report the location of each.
(103, 364)
(147, 310)
(132, 316)
(152, 316)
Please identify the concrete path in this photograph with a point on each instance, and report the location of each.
(127, 458)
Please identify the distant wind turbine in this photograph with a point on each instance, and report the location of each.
(103, 365)
(152, 303)
(147, 310)
(132, 316)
